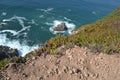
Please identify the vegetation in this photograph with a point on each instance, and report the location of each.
(4, 62)
(102, 35)
(15, 59)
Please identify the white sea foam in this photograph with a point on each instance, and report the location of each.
(46, 10)
(19, 19)
(23, 48)
(13, 32)
(93, 12)
(21, 22)
(3, 23)
(70, 27)
(9, 31)
(47, 23)
(41, 16)
(32, 22)
(67, 19)
(7, 20)
(4, 14)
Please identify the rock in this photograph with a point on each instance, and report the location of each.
(49, 71)
(7, 78)
(25, 75)
(76, 70)
(33, 58)
(7, 52)
(41, 78)
(1, 75)
(70, 71)
(2, 24)
(60, 27)
(65, 69)
(70, 57)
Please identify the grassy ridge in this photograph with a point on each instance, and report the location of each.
(102, 36)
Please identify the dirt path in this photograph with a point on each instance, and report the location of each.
(76, 64)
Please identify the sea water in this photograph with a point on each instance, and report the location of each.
(26, 24)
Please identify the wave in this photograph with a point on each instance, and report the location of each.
(32, 22)
(22, 48)
(19, 19)
(41, 16)
(9, 31)
(47, 23)
(21, 23)
(4, 14)
(13, 32)
(45, 10)
(67, 19)
(70, 27)
(2, 24)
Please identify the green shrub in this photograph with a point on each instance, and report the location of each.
(4, 62)
(53, 52)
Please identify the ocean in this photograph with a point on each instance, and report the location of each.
(27, 24)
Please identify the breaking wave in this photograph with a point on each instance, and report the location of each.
(22, 48)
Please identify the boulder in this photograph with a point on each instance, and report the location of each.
(7, 52)
(60, 27)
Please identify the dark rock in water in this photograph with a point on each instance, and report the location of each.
(7, 52)
(2, 24)
(60, 27)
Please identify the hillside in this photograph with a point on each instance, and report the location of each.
(100, 36)
(75, 64)
(90, 53)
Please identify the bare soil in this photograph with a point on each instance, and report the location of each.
(74, 64)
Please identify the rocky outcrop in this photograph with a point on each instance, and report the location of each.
(7, 52)
(60, 27)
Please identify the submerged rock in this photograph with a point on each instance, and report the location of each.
(7, 52)
(2, 24)
(60, 27)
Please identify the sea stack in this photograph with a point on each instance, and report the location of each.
(60, 27)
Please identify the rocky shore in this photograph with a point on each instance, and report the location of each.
(7, 52)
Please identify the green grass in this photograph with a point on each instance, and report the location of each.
(4, 62)
(13, 60)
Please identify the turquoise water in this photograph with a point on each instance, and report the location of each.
(28, 23)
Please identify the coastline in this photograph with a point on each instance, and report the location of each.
(90, 51)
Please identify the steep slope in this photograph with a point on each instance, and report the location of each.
(75, 64)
